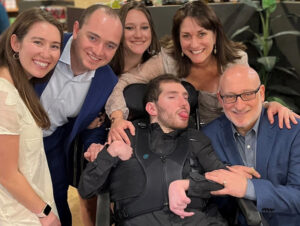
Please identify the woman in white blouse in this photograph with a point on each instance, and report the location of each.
(29, 49)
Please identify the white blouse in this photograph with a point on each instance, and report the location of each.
(15, 119)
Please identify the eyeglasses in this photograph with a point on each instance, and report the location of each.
(246, 96)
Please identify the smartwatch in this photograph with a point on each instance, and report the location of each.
(45, 211)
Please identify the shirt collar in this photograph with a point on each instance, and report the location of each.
(66, 54)
(155, 127)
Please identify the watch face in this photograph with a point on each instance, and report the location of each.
(47, 210)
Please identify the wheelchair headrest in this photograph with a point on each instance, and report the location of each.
(134, 97)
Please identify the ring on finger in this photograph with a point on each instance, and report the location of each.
(224, 183)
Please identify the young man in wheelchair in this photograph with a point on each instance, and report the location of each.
(164, 150)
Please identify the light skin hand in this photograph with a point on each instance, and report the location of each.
(120, 149)
(50, 220)
(97, 122)
(285, 115)
(178, 200)
(92, 152)
(248, 172)
(234, 183)
(117, 130)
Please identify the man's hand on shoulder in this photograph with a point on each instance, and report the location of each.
(120, 149)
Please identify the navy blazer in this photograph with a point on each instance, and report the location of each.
(100, 89)
(277, 161)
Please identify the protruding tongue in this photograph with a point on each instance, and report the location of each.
(184, 114)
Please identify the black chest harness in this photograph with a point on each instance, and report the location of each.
(140, 185)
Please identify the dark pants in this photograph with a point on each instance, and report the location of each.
(166, 218)
(59, 175)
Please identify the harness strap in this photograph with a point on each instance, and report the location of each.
(160, 171)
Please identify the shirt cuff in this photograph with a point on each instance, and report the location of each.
(250, 192)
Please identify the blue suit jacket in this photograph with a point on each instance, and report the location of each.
(101, 87)
(278, 162)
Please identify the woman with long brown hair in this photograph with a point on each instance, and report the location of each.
(29, 49)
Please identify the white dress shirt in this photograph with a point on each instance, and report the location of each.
(65, 93)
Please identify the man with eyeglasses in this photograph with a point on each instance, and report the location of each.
(244, 136)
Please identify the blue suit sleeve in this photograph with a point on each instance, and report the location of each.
(283, 197)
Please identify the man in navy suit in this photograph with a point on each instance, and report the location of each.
(76, 93)
(266, 158)
(244, 136)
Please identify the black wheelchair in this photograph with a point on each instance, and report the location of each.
(134, 99)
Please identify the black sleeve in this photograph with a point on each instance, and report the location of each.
(207, 160)
(95, 174)
(200, 187)
(205, 154)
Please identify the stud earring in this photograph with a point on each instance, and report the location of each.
(182, 54)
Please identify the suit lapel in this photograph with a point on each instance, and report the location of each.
(99, 91)
(231, 151)
(91, 104)
(266, 139)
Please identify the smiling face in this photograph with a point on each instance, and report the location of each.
(95, 43)
(171, 110)
(39, 50)
(137, 32)
(237, 80)
(196, 42)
